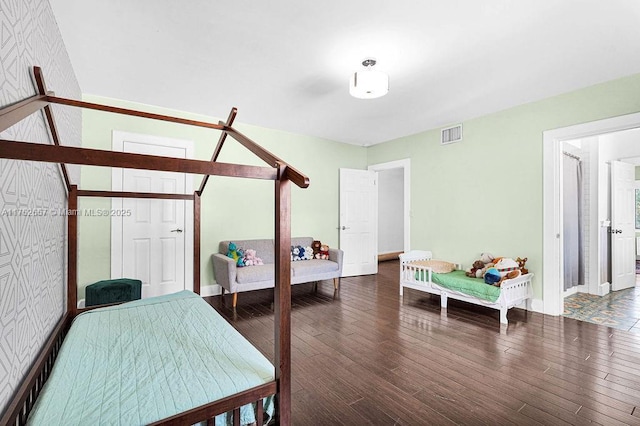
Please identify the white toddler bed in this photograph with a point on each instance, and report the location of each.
(418, 277)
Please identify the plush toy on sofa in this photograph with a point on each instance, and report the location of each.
(316, 245)
(301, 253)
(232, 252)
(323, 253)
(250, 258)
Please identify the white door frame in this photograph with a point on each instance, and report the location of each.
(552, 261)
(118, 139)
(404, 164)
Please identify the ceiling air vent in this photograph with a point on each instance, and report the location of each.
(451, 134)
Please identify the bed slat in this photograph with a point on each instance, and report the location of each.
(18, 411)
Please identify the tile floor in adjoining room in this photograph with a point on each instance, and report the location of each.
(618, 309)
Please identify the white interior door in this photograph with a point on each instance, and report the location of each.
(152, 244)
(623, 271)
(358, 222)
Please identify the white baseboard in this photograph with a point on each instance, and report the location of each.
(537, 305)
(210, 290)
(603, 289)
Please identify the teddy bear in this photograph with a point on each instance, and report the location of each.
(250, 258)
(476, 269)
(316, 245)
(323, 253)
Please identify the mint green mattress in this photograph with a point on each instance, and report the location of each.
(458, 281)
(146, 360)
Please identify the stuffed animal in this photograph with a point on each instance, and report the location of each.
(486, 258)
(232, 252)
(301, 253)
(509, 276)
(323, 253)
(505, 265)
(521, 263)
(240, 260)
(295, 251)
(308, 253)
(492, 276)
(250, 258)
(475, 270)
(316, 245)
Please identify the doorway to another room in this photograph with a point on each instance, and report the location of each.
(598, 244)
(393, 208)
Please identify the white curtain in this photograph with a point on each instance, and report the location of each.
(572, 222)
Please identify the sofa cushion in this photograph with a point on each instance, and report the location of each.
(302, 241)
(313, 267)
(255, 273)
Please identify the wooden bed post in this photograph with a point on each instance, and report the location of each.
(196, 242)
(72, 251)
(282, 305)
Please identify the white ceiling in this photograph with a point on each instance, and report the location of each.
(286, 63)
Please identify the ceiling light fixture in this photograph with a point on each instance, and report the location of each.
(369, 83)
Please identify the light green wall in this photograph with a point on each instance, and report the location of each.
(484, 194)
(637, 172)
(231, 208)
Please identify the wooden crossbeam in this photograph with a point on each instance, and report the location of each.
(13, 114)
(48, 112)
(132, 112)
(292, 174)
(221, 139)
(94, 157)
(118, 194)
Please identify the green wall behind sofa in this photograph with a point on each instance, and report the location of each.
(231, 208)
(484, 194)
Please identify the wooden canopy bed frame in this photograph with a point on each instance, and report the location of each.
(278, 171)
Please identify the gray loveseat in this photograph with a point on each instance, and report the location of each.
(235, 279)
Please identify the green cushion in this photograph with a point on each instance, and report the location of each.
(112, 291)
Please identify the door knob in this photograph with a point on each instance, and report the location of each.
(343, 227)
(178, 230)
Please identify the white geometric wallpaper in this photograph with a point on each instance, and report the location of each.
(32, 248)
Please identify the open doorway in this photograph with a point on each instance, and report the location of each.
(598, 279)
(393, 208)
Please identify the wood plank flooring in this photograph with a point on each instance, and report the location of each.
(363, 355)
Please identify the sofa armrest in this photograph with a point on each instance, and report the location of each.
(337, 255)
(224, 271)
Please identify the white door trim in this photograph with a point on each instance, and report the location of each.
(552, 205)
(118, 139)
(404, 164)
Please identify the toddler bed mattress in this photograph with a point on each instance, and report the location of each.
(458, 281)
(147, 360)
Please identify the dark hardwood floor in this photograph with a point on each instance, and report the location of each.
(362, 355)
